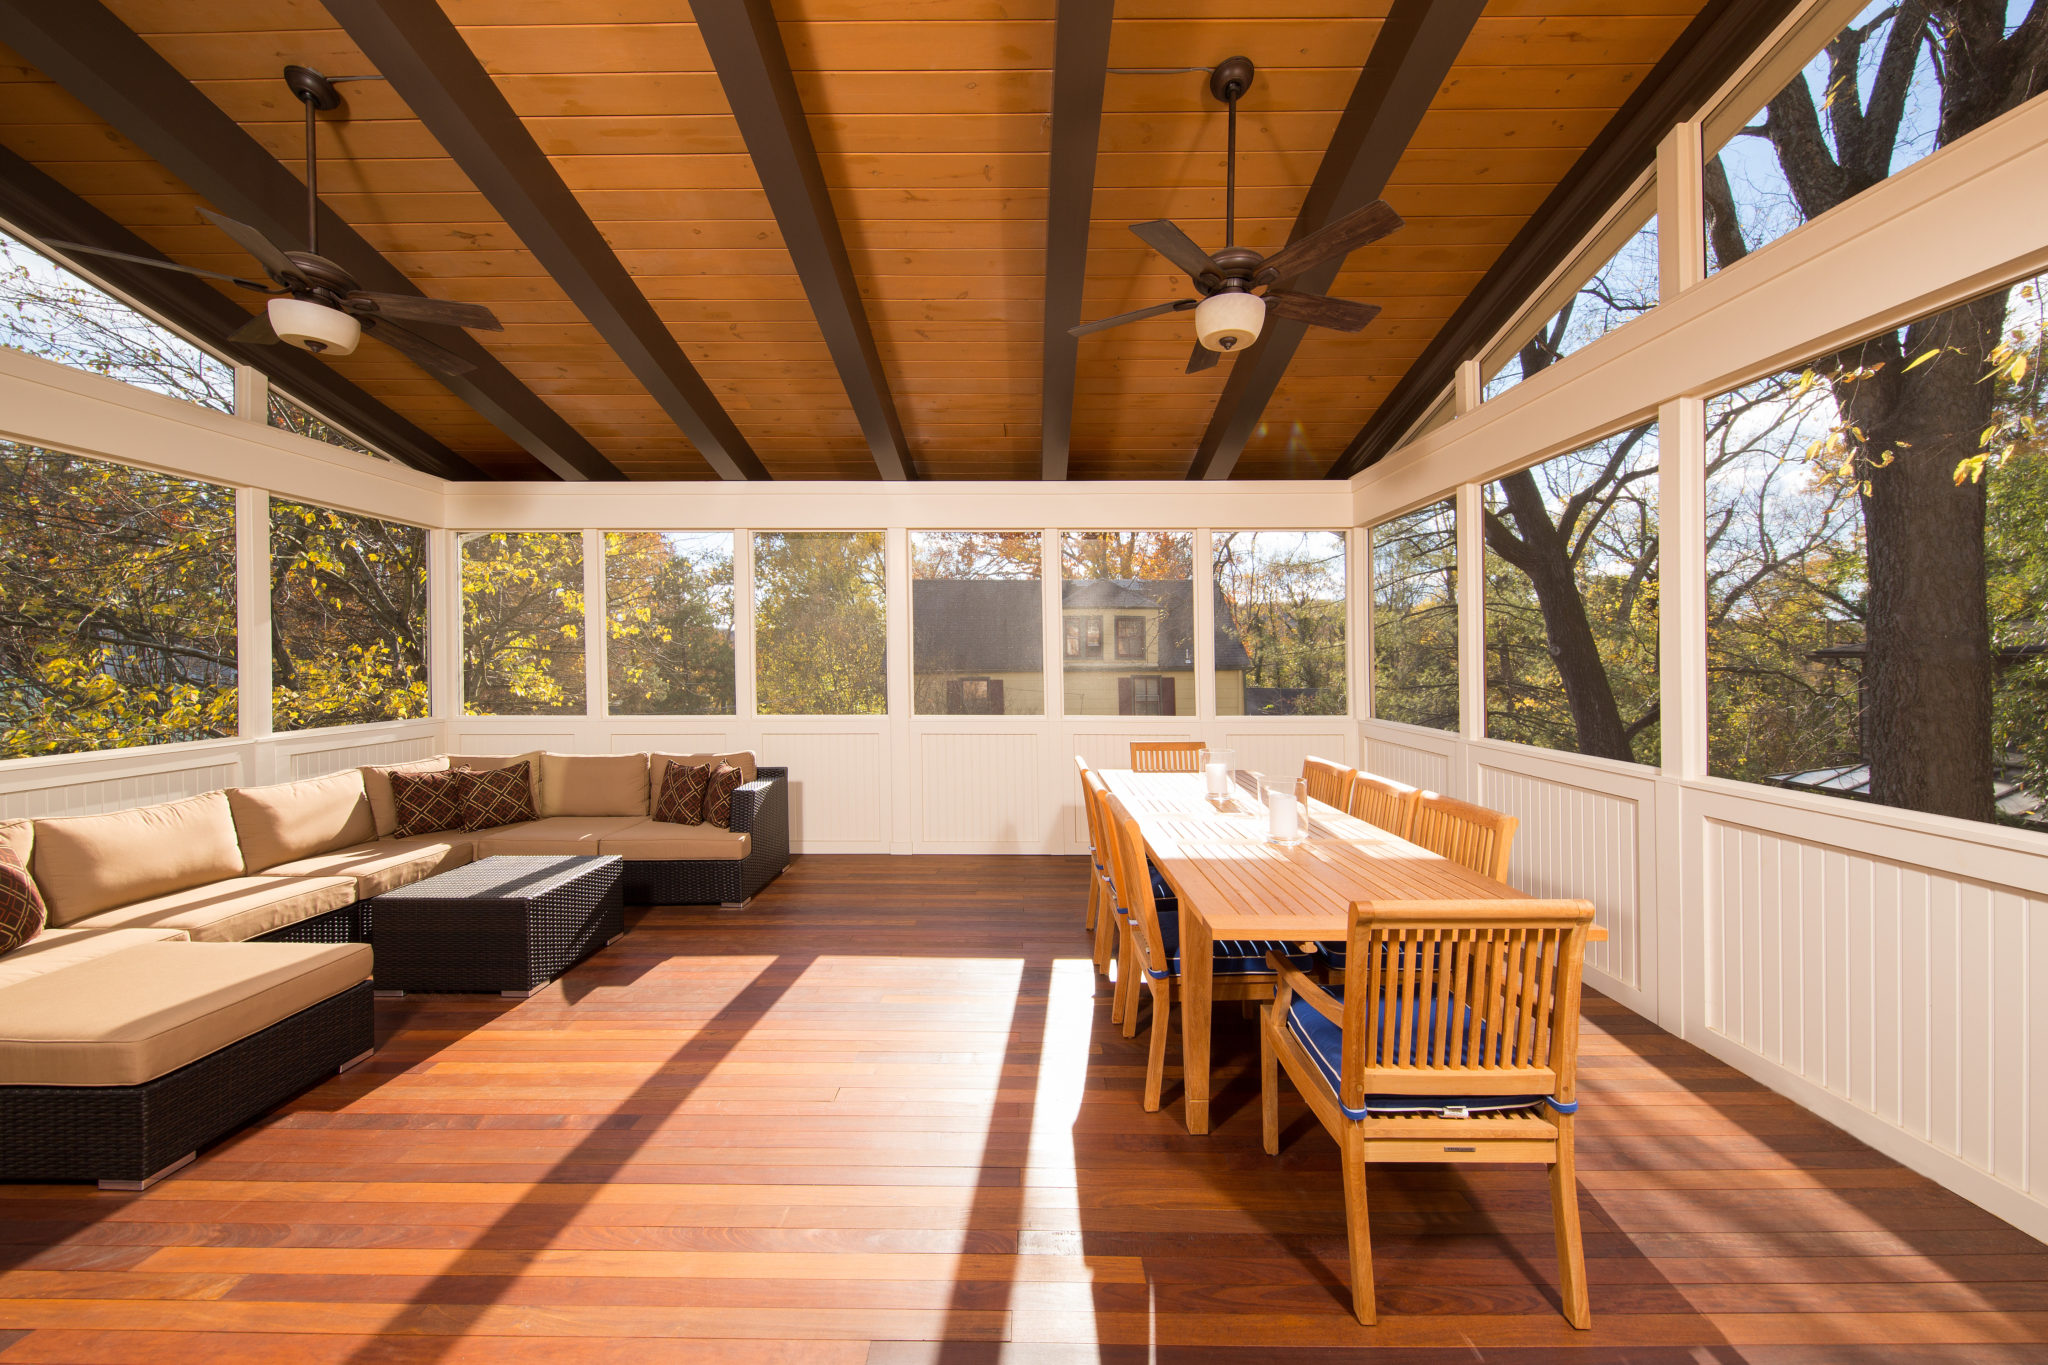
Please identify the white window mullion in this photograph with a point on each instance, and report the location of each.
(252, 612)
(1471, 614)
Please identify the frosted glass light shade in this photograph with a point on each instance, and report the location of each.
(1228, 322)
(314, 326)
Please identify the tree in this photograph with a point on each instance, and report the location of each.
(1281, 595)
(1415, 618)
(348, 611)
(668, 599)
(1127, 555)
(522, 624)
(820, 603)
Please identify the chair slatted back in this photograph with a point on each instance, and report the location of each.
(1384, 802)
(1475, 997)
(1167, 755)
(1471, 836)
(1133, 875)
(1092, 790)
(1328, 782)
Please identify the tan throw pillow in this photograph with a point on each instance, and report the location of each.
(427, 802)
(593, 784)
(502, 796)
(725, 780)
(377, 784)
(682, 795)
(22, 912)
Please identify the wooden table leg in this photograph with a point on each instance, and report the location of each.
(1198, 960)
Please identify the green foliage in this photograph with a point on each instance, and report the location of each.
(522, 624)
(1281, 596)
(117, 606)
(668, 605)
(348, 618)
(819, 610)
(1415, 618)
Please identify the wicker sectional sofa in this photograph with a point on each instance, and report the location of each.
(204, 958)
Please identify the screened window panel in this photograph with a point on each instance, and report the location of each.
(1624, 287)
(1280, 603)
(1127, 618)
(977, 612)
(117, 605)
(522, 623)
(288, 414)
(348, 618)
(1415, 617)
(820, 611)
(669, 612)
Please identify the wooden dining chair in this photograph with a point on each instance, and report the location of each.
(1241, 971)
(1167, 755)
(1328, 782)
(1469, 835)
(1102, 906)
(1384, 802)
(1456, 1041)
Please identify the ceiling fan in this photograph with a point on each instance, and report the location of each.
(1228, 315)
(318, 306)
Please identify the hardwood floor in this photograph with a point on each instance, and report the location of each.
(880, 1116)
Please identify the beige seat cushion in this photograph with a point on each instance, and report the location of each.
(563, 835)
(18, 837)
(236, 909)
(593, 784)
(657, 766)
(377, 786)
(143, 1012)
(654, 841)
(300, 819)
(386, 864)
(89, 863)
(55, 949)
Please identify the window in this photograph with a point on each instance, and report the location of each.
(819, 610)
(1145, 696)
(117, 605)
(1625, 286)
(522, 623)
(288, 414)
(1571, 601)
(1130, 637)
(1280, 623)
(1147, 578)
(50, 312)
(1415, 618)
(1877, 568)
(1898, 82)
(668, 611)
(977, 615)
(348, 618)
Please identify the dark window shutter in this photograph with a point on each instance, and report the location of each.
(1126, 696)
(956, 702)
(995, 696)
(1166, 706)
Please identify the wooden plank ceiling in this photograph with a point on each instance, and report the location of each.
(931, 123)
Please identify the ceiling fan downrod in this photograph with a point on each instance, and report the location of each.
(1228, 82)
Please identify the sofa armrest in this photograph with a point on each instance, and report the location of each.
(752, 802)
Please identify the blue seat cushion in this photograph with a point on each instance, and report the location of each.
(1323, 1041)
(1233, 956)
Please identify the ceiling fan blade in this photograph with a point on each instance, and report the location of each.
(1333, 242)
(257, 331)
(1104, 324)
(1176, 246)
(428, 355)
(160, 264)
(1320, 310)
(1203, 358)
(267, 253)
(412, 308)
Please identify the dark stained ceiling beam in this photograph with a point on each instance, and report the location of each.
(102, 63)
(432, 68)
(37, 205)
(1080, 65)
(1409, 60)
(746, 48)
(1718, 40)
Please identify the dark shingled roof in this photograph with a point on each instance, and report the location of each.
(991, 625)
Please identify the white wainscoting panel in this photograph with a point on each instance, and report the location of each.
(1278, 753)
(1426, 767)
(673, 742)
(984, 789)
(499, 740)
(112, 789)
(838, 789)
(1103, 749)
(304, 763)
(1908, 991)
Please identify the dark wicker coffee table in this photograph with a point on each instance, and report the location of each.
(509, 925)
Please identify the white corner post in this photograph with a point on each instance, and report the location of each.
(1471, 618)
(1203, 655)
(596, 631)
(1681, 216)
(444, 627)
(743, 639)
(903, 829)
(252, 616)
(1358, 632)
(252, 394)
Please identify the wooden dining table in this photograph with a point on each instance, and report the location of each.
(1233, 883)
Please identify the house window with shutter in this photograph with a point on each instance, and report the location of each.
(1130, 637)
(974, 697)
(1145, 696)
(1091, 627)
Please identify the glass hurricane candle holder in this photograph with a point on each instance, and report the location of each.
(1217, 773)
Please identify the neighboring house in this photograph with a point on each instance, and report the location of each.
(1126, 649)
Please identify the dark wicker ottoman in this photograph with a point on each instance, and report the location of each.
(507, 924)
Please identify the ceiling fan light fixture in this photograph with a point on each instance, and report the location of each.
(1229, 321)
(314, 326)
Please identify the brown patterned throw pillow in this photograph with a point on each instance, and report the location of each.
(725, 779)
(22, 913)
(500, 796)
(427, 802)
(682, 794)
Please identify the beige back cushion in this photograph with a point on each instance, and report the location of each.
(593, 784)
(377, 785)
(299, 819)
(657, 767)
(89, 863)
(18, 837)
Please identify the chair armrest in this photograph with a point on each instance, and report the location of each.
(1294, 981)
